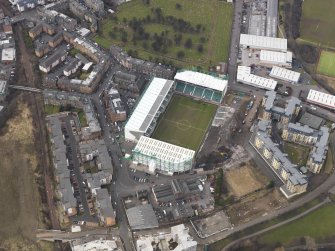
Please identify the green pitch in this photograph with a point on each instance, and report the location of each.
(185, 122)
(326, 65)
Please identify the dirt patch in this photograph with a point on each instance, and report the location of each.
(19, 197)
(256, 205)
(244, 180)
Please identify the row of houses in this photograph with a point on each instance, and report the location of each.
(141, 66)
(83, 13)
(93, 129)
(114, 106)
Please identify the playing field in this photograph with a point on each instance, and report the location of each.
(317, 22)
(159, 30)
(326, 65)
(185, 122)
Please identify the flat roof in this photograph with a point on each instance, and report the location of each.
(311, 120)
(163, 151)
(257, 81)
(280, 57)
(321, 98)
(148, 105)
(284, 74)
(202, 79)
(262, 42)
(8, 54)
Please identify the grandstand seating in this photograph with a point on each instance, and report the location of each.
(198, 92)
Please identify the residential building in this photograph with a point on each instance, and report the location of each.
(301, 134)
(72, 67)
(23, 5)
(318, 155)
(95, 5)
(115, 108)
(177, 240)
(283, 113)
(295, 182)
(129, 82)
(104, 207)
(51, 62)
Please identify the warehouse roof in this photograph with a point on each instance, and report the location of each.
(163, 151)
(321, 98)
(149, 104)
(261, 42)
(276, 56)
(251, 79)
(8, 54)
(284, 74)
(142, 217)
(202, 79)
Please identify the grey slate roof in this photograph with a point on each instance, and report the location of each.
(142, 217)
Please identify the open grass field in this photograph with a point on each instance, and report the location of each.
(185, 122)
(244, 180)
(298, 154)
(213, 34)
(317, 22)
(319, 224)
(326, 65)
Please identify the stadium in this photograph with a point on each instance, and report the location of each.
(171, 119)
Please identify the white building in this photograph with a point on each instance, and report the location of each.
(162, 157)
(181, 240)
(284, 74)
(263, 43)
(8, 55)
(244, 76)
(152, 103)
(321, 98)
(105, 245)
(279, 58)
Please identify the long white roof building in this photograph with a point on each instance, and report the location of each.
(279, 58)
(263, 43)
(147, 108)
(244, 76)
(321, 98)
(284, 74)
(202, 79)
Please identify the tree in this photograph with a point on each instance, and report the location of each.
(202, 40)
(145, 45)
(188, 44)
(180, 54)
(200, 48)
(112, 34)
(178, 6)
(125, 20)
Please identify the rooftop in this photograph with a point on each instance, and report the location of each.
(321, 98)
(142, 217)
(284, 74)
(262, 42)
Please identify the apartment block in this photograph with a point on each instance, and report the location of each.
(301, 134)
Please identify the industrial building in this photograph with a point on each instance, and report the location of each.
(162, 157)
(142, 217)
(284, 74)
(279, 58)
(201, 86)
(244, 76)
(151, 104)
(263, 43)
(321, 99)
(90, 243)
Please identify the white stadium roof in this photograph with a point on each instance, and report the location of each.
(261, 42)
(284, 74)
(202, 79)
(148, 105)
(163, 151)
(244, 76)
(276, 57)
(321, 98)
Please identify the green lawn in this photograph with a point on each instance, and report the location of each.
(52, 109)
(317, 22)
(185, 122)
(318, 224)
(215, 18)
(298, 154)
(329, 165)
(326, 65)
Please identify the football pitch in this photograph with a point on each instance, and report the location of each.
(185, 122)
(326, 65)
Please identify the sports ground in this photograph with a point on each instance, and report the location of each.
(185, 122)
(317, 23)
(326, 65)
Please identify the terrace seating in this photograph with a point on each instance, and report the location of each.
(180, 87)
(198, 91)
(189, 90)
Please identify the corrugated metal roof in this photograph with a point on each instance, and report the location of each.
(321, 98)
(262, 42)
(251, 79)
(284, 74)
